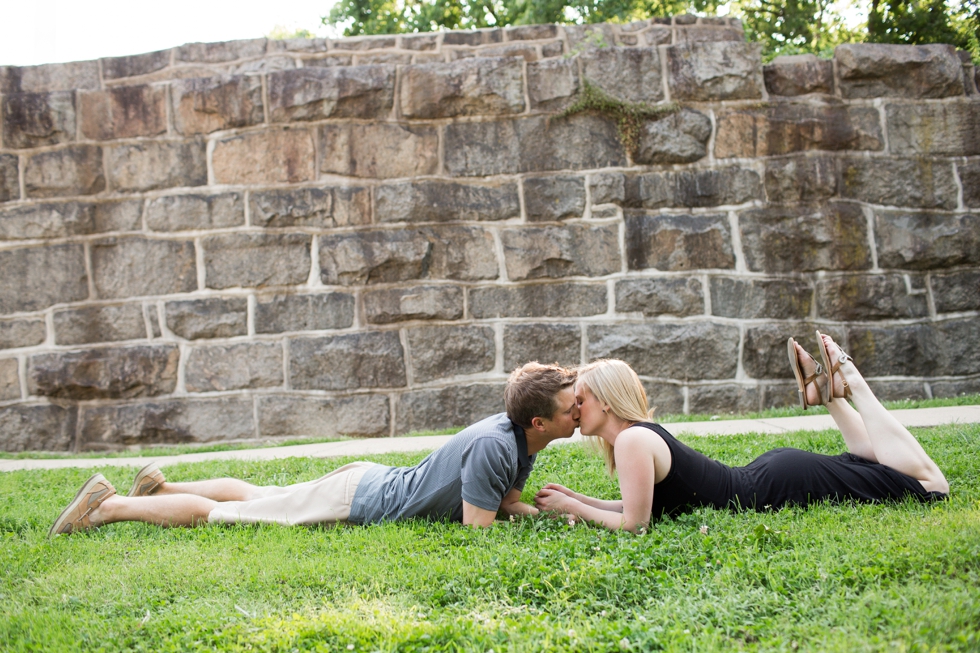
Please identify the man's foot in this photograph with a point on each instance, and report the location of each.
(809, 374)
(76, 517)
(148, 480)
(834, 358)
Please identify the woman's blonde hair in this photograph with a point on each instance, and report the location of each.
(615, 384)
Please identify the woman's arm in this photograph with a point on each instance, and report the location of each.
(602, 504)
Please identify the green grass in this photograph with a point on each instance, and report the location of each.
(901, 576)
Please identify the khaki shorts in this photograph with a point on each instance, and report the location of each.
(326, 499)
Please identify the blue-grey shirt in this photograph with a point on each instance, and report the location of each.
(480, 465)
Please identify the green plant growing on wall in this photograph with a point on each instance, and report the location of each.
(629, 116)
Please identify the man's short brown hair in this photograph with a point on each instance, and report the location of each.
(532, 390)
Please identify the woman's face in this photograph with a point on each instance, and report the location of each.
(592, 415)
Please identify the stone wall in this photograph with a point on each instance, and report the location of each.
(264, 239)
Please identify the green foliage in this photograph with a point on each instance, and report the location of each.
(629, 116)
(913, 22)
(795, 27)
(281, 33)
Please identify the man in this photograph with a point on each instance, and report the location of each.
(481, 471)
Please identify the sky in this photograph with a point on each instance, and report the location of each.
(54, 31)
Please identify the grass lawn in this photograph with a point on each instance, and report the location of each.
(902, 576)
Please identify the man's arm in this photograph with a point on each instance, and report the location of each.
(474, 516)
(511, 504)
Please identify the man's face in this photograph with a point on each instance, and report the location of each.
(565, 420)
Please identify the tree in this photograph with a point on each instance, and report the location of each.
(913, 22)
(795, 26)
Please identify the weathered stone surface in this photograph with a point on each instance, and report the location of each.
(452, 252)
(175, 421)
(692, 350)
(565, 251)
(342, 206)
(134, 267)
(678, 242)
(256, 260)
(832, 236)
(801, 179)
(281, 313)
(358, 360)
(548, 199)
(46, 276)
(334, 92)
(946, 129)
(656, 37)
(445, 201)
(365, 43)
(955, 388)
(764, 350)
(120, 215)
(777, 395)
(439, 352)
(919, 183)
(749, 299)
(123, 112)
(552, 84)
(871, 297)
(585, 38)
(951, 291)
(538, 300)
(135, 65)
(545, 343)
(693, 188)
(898, 390)
(868, 70)
(9, 178)
(798, 75)
(150, 165)
(50, 77)
(530, 32)
(457, 405)
(221, 51)
(525, 51)
(419, 42)
(44, 427)
(467, 87)
(360, 416)
(926, 241)
(191, 212)
(37, 119)
(277, 155)
(75, 170)
(206, 104)
(969, 173)
(629, 74)
(108, 373)
(213, 317)
(608, 187)
(925, 350)
(9, 380)
(380, 150)
(782, 128)
(218, 368)
(46, 221)
(328, 61)
(723, 399)
(661, 296)
(91, 324)
(678, 138)
(705, 33)
(664, 398)
(715, 71)
(416, 303)
(24, 332)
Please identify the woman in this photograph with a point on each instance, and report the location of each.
(659, 475)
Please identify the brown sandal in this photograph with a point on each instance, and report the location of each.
(802, 383)
(842, 358)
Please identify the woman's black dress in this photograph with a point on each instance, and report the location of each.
(774, 479)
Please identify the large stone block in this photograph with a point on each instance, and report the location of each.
(213, 317)
(955, 388)
(549, 199)
(678, 138)
(281, 313)
(91, 324)
(445, 201)
(552, 84)
(416, 303)
(677, 296)
(75, 170)
(867, 70)
(335, 92)
(693, 188)
(565, 251)
(546, 343)
(44, 427)
(687, 351)
(940, 129)
(360, 416)
(926, 241)
(466, 87)
(538, 300)
(207, 104)
(898, 390)
(799, 75)
(123, 112)
(629, 74)
(764, 349)
(923, 350)
(277, 155)
(9, 178)
(440, 408)
(45, 276)
(369, 257)
(256, 260)
(702, 33)
(150, 165)
(342, 206)
(135, 267)
(22, 332)
(358, 360)
(174, 421)
(241, 366)
(952, 292)
(726, 399)
(50, 77)
(439, 352)
(919, 183)
(117, 215)
(38, 119)
(715, 71)
(607, 187)
(221, 51)
(782, 128)
(969, 173)
(750, 299)
(379, 150)
(871, 297)
(46, 220)
(664, 398)
(364, 43)
(801, 179)
(106, 373)
(678, 242)
(832, 236)
(9, 379)
(192, 212)
(135, 65)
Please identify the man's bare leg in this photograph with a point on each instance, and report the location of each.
(173, 510)
(216, 489)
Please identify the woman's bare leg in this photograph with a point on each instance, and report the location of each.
(173, 510)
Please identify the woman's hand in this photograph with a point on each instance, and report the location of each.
(555, 498)
(560, 488)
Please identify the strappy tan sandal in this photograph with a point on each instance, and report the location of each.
(802, 383)
(842, 358)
